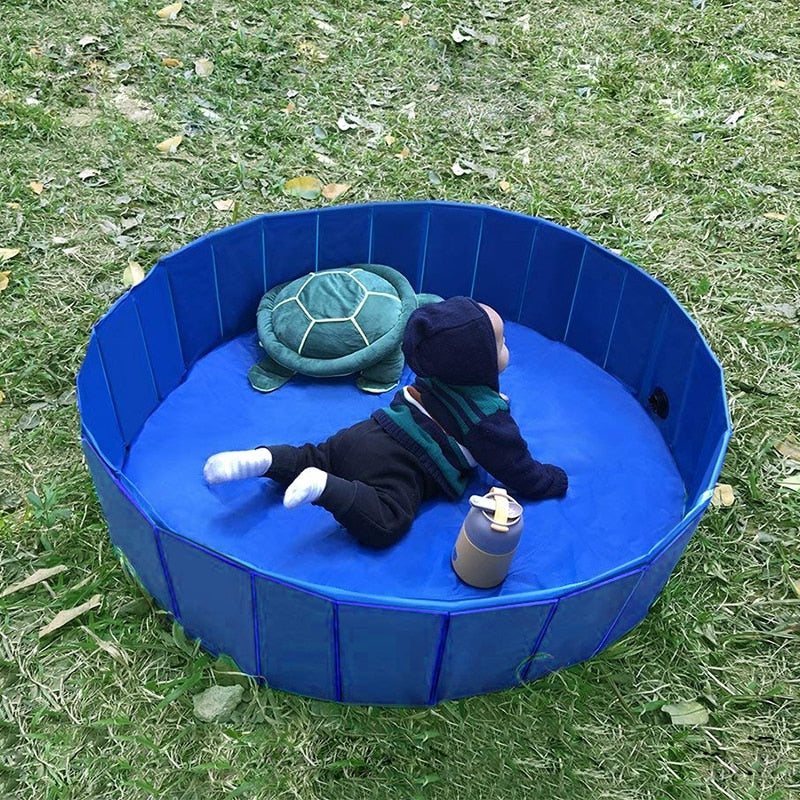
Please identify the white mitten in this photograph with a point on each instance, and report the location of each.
(237, 464)
(306, 487)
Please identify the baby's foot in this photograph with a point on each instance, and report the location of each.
(307, 487)
(237, 464)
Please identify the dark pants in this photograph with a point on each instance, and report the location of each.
(375, 486)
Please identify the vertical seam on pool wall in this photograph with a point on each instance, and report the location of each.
(256, 632)
(711, 471)
(316, 241)
(263, 258)
(539, 639)
(216, 290)
(616, 318)
(371, 233)
(655, 348)
(575, 293)
(477, 255)
(111, 397)
(337, 668)
(175, 321)
(437, 667)
(424, 254)
(604, 640)
(176, 611)
(527, 273)
(147, 351)
(684, 395)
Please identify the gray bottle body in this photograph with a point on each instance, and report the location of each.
(488, 539)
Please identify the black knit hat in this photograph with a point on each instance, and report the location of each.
(453, 341)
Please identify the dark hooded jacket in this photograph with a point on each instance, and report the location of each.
(452, 349)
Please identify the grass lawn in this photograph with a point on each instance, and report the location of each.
(667, 130)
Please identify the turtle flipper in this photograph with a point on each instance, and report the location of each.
(268, 375)
(425, 298)
(384, 375)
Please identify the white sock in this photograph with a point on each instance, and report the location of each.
(306, 487)
(237, 464)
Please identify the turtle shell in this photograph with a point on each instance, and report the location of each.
(336, 322)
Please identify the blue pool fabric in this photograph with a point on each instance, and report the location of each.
(625, 492)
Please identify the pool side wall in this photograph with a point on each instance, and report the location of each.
(535, 273)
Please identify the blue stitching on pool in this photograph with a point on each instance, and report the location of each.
(437, 669)
(527, 273)
(256, 633)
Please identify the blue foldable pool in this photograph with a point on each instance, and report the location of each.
(609, 378)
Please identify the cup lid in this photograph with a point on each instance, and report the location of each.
(497, 506)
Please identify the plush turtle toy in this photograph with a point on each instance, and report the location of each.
(336, 322)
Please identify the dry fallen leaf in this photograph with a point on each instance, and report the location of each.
(7, 253)
(459, 170)
(723, 496)
(776, 215)
(118, 655)
(169, 12)
(170, 145)
(37, 577)
(126, 223)
(310, 50)
(333, 190)
(4, 276)
(403, 154)
(37, 187)
(403, 21)
(486, 38)
(13, 206)
(224, 205)
(459, 37)
(324, 26)
(505, 186)
(343, 125)
(326, 160)
(735, 117)
(88, 173)
(789, 448)
(289, 108)
(305, 186)
(653, 215)
(389, 139)
(203, 67)
(171, 62)
(133, 274)
(687, 713)
(524, 156)
(784, 310)
(63, 617)
(2, 396)
(87, 40)
(792, 482)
